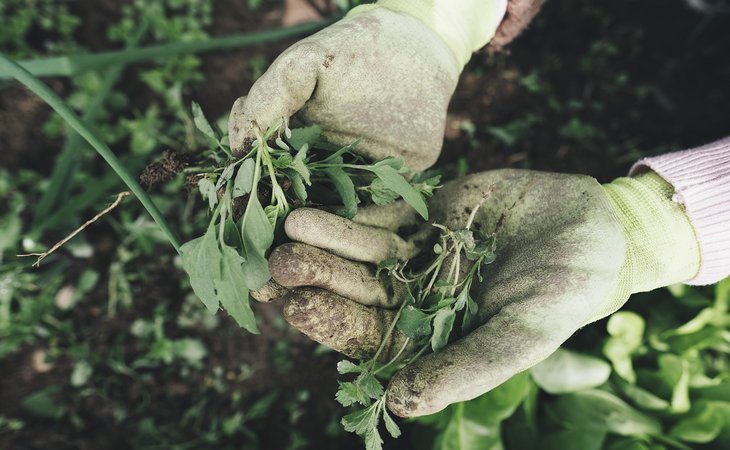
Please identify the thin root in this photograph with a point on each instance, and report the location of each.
(59, 244)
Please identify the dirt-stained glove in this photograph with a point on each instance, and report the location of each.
(383, 74)
(569, 251)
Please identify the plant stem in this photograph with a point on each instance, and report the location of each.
(70, 65)
(388, 334)
(53, 100)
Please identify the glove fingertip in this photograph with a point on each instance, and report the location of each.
(407, 394)
(269, 292)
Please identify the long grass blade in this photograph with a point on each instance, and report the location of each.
(53, 100)
(68, 161)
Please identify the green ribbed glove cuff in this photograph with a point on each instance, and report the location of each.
(464, 25)
(662, 245)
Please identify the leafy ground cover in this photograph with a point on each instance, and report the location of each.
(105, 346)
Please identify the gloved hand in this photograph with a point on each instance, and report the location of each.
(569, 251)
(383, 74)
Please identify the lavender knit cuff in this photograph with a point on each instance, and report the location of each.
(701, 180)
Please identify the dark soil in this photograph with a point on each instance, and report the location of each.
(587, 89)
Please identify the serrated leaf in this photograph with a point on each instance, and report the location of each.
(370, 385)
(414, 323)
(201, 259)
(443, 322)
(361, 421)
(202, 124)
(345, 188)
(243, 183)
(395, 181)
(390, 424)
(345, 366)
(373, 441)
(232, 290)
(350, 393)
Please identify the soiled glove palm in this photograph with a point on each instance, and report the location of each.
(569, 251)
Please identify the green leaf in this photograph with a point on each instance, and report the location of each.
(81, 373)
(232, 290)
(243, 183)
(702, 425)
(443, 322)
(395, 181)
(283, 161)
(225, 176)
(345, 188)
(345, 366)
(256, 229)
(601, 411)
(675, 373)
(350, 393)
(370, 385)
(361, 421)
(258, 235)
(392, 162)
(42, 403)
(468, 432)
(304, 136)
(502, 401)
(299, 165)
(208, 192)
(470, 320)
(627, 331)
(201, 259)
(390, 424)
(414, 323)
(388, 265)
(641, 397)
(380, 194)
(566, 371)
(298, 186)
(202, 124)
(373, 441)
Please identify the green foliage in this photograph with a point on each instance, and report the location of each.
(222, 275)
(664, 385)
(435, 296)
(49, 20)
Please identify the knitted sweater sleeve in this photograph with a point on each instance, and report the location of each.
(701, 180)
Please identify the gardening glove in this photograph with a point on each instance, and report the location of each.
(383, 74)
(569, 251)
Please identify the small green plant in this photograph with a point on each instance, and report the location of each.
(434, 296)
(250, 196)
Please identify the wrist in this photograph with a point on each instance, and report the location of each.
(662, 246)
(464, 25)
